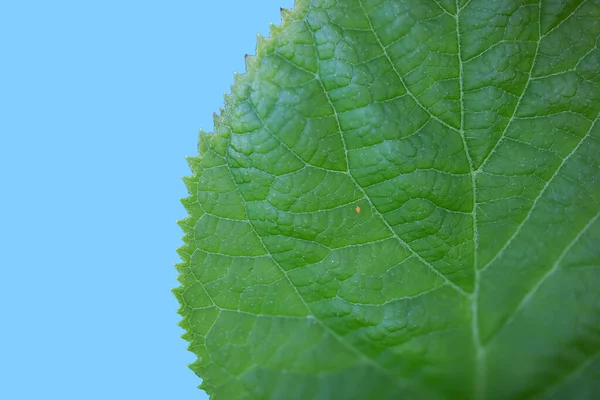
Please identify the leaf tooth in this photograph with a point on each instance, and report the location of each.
(191, 183)
(187, 225)
(221, 130)
(274, 30)
(229, 100)
(180, 267)
(194, 163)
(187, 335)
(181, 251)
(189, 203)
(178, 291)
(237, 80)
(195, 211)
(261, 44)
(196, 342)
(217, 119)
(185, 322)
(185, 252)
(251, 62)
(301, 5)
(195, 346)
(286, 15)
(206, 384)
(204, 138)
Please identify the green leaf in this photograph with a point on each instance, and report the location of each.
(401, 201)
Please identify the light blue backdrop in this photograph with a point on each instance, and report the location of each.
(99, 103)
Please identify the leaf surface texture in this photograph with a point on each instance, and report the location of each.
(466, 133)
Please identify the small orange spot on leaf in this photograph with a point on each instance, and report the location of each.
(357, 209)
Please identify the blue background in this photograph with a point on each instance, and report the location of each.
(99, 104)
